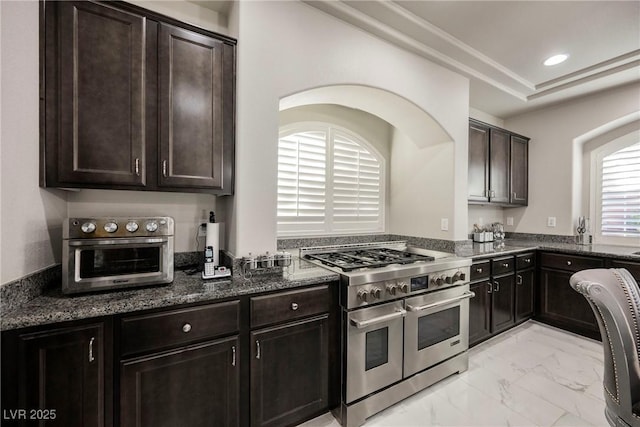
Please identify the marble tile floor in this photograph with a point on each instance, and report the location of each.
(532, 375)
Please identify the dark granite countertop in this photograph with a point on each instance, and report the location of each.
(53, 306)
(509, 246)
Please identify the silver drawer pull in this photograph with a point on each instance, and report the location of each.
(519, 280)
(505, 265)
(294, 306)
(466, 295)
(257, 349)
(496, 287)
(527, 260)
(137, 167)
(364, 323)
(233, 355)
(91, 358)
(164, 168)
(479, 270)
(186, 328)
(568, 262)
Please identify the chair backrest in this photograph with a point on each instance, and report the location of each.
(614, 297)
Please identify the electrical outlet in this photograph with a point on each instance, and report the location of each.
(509, 220)
(202, 230)
(551, 221)
(444, 224)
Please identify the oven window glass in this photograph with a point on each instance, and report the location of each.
(119, 261)
(437, 327)
(377, 348)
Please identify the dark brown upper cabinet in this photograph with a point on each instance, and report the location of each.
(498, 166)
(134, 100)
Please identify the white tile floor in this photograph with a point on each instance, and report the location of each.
(532, 375)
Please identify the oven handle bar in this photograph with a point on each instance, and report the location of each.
(364, 323)
(441, 303)
(120, 241)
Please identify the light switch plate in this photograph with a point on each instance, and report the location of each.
(444, 224)
(509, 220)
(551, 221)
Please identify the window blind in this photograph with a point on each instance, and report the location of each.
(328, 181)
(621, 193)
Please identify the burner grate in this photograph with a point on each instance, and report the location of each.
(349, 260)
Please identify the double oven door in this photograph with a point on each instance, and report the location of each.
(392, 341)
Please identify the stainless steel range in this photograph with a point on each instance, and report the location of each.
(405, 321)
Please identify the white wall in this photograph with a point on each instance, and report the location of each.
(30, 217)
(486, 117)
(289, 47)
(188, 12)
(555, 156)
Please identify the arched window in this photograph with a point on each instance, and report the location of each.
(330, 181)
(616, 197)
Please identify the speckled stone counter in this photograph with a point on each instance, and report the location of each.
(509, 246)
(53, 306)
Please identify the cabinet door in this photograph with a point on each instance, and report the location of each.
(524, 294)
(499, 166)
(480, 312)
(519, 174)
(561, 306)
(194, 104)
(478, 177)
(502, 315)
(101, 96)
(193, 386)
(289, 372)
(63, 370)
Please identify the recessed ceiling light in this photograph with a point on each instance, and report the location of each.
(555, 60)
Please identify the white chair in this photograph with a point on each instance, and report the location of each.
(614, 297)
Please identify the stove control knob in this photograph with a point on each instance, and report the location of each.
(375, 293)
(458, 276)
(132, 226)
(392, 289)
(152, 226)
(363, 296)
(439, 281)
(110, 227)
(404, 287)
(88, 227)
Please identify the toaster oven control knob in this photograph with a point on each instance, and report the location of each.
(88, 227)
(363, 296)
(375, 293)
(132, 226)
(110, 227)
(392, 289)
(152, 226)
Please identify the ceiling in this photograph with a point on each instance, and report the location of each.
(501, 45)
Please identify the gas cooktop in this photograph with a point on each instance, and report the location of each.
(349, 260)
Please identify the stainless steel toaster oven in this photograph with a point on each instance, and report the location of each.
(116, 253)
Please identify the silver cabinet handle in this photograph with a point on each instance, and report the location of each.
(479, 270)
(496, 287)
(505, 265)
(519, 280)
(443, 302)
(364, 323)
(568, 262)
(294, 306)
(137, 167)
(257, 349)
(164, 168)
(186, 328)
(490, 290)
(514, 195)
(233, 355)
(492, 193)
(91, 358)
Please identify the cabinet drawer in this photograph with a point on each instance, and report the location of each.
(178, 327)
(569, 262)
(525, 261)
(287, 306)
(503, 265)
(480, 270)
(633, 267)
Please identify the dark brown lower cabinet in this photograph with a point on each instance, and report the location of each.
(289, 372)
(502, 313)
(480, 312)
(192, 386)
(525, 285)
(57, 376)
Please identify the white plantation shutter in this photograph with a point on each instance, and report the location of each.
(329, 180)
(620, 214)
